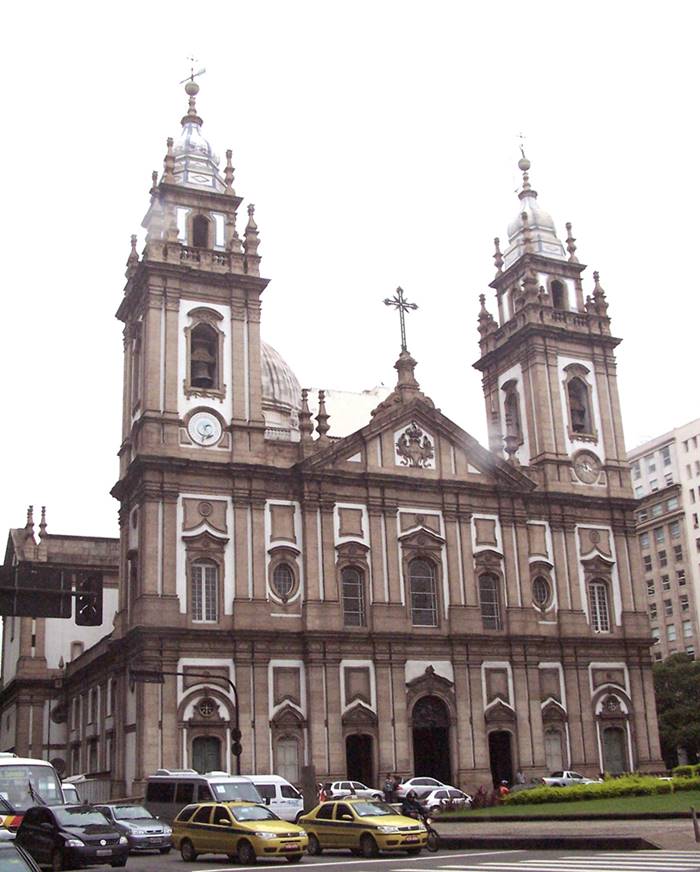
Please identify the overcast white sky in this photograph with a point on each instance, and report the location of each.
(379, 142)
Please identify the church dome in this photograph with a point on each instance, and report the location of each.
(196, 165)
(281, 392)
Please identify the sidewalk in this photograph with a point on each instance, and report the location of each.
(605, 835)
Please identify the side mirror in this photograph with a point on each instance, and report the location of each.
(346, 817)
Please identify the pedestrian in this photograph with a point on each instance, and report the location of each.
(503, 789)
(389, 788)
(519, 777)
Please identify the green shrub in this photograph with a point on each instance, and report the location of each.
(684, 771)
(628, 785)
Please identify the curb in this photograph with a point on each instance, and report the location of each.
(550, 843)
(610, 816)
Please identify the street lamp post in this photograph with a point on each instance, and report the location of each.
(156, 676)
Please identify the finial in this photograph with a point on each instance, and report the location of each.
(498, 257)
(192, 89)
(251, 242)
(228, 172)
(527, 238)
(154, 182)
(524, 165)
(42, 523)
(132, 259)
(511, 443)
(251, 218)
(487, 324)
(61, 663)
(169, 162)
(29, 526)
(306, 428)
(598, 302)
(570, 244)
(322, 426)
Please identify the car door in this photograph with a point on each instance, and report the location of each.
(323, 825)
(223, 840)
(345, 835)
(35, 838)
(198, 829)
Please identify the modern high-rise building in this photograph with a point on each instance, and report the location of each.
(666, 480)
(396, 599)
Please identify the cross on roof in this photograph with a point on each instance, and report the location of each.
(399, 302)
(193, 60)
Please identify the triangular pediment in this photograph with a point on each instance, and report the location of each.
(359, 715)
(417, 440)
(288, 715)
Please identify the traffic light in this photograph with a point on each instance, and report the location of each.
(28, 590)
(88, 602)
(236, 749)
(235, 735)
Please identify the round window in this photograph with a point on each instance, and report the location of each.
(540, 591)
(283, 581)
(206, 707)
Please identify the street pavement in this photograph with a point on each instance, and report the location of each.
(448, 861)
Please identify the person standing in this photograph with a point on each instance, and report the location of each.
(389, 788)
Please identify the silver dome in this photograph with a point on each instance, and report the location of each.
(543, 233)
(281, 391)
(196, 164)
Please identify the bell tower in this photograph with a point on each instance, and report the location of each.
(548, 360)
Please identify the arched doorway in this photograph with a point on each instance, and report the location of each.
(614, 754)
(501, 756)
(206, 754)
(358, 758)
(431, 738)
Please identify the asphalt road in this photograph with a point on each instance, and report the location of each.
(444, 861)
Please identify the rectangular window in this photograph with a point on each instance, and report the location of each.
(659, 535)
(92, 757)
(672, 504)
(690, 651)
(650, 588)
(639, 491)
(688, 470)
(647, 562)
(666, 455)
(691, 494)
(685, 446)
(697, 544)
(656, 510)
(598, 600)
(642, 516)
(204, 592)
(680, 576)
(695, 521)
(488, 599)
(662, 559)
(652, 612)
(678, 553)
(654, 485)
(665, 582)
(636, 470)
(684, 602)
(650, 463)
(657, 656)
(671, 632)
(353, 597)
(644, 540)
(93, 706)
(668, 479)
(655, 634)
(668, 608)
(675, 528)
(697, 467)
(687, 629)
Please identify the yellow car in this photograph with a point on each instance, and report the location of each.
(243, 831)
(365, 826)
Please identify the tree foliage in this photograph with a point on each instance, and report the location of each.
(677, 685)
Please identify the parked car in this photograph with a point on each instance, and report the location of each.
(243, 831)
(363, 826)
(70, 793)
(279, 796)
(168, 790)
(567, 778)
(355, 789)
(14, 857)
(69, 836)
(144, 832)
(446, 797)
(421, 784)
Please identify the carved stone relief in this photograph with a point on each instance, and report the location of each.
(211, 512)
(414, 448)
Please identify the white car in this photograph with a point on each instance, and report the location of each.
(354, 789)
(567, 778)
(422, 786)
(446, 797)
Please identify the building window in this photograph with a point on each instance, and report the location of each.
(663, 561)
(675, 528)
(680, 576)
(647, 562)
(204, 348)
(678, 553)
(688, 470)
(639, 491)
(353, 597)
(665, 582)
(652, 612)
(691, 494)
(659, 535)
(76, 649)
(684, 602)
(668, 608)
(489, 600)
(559, 296)
(656, 634)
(690, 651)
(666, 455)
(644, 540)
(636, 470)
(579, 406)
(695, 521)
(657, 656)
(511, 408)
(205, 591)
(642, 516)
(113, 696)
(598, 601)
(668, 479)
(672, 504)
(650, 588)
(671, 632)
(653, 485)
(697, 467)
(656, 510)
(650, 463)
(421, 575)
(541, 592)
(94, 699)
(200, 232)
(283, 581)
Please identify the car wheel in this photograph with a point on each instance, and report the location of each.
(246, 853)
(57, 861)
(314, 848)
(293, 858)
(368, 846)
(187, 851)
(164, 850)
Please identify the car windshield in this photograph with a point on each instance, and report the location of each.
(77, 816)
(24, 785)
(253, 813)
(131, 813)
(228, 790)
(372, 809)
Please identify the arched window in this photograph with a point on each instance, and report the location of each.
(600, 609)
(423, 594)
(490, 602)
(200, 232)
(559, 296)
(511, 407)
(205, 591)
(541, 592)
(352, 582)
(283, 581)
(579, 406)
(204, 354)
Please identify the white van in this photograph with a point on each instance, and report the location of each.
(169, 790)
(281, 796)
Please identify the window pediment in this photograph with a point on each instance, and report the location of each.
(422, 538)
(359, 715)
(430, 682)
(499, 713)
(205, 542)
(553, 711)
(352, 551)
(288, 716)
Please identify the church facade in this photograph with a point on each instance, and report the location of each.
(399, 599)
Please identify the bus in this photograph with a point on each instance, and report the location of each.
(25, 782)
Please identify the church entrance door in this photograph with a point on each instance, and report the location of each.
(358, 758)
(206, 754)
(614, 757)
(431, 739)
(501, 757)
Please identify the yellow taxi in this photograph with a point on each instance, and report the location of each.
(243, 831)
(365, 826)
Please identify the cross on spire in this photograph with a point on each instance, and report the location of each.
(193, 60)
(399, 302)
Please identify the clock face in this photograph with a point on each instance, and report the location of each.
(204, 428)
(587, 467)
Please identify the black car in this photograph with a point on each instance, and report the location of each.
(71, 836)
(13, 858)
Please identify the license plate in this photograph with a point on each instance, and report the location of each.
(103, 852)
(156, 838)
(411, 839)
(290, 846)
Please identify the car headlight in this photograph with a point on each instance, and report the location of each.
(137, 831)
(123, 840)
(264, 835)
(167, 831)
(388, 829)
(75, 843)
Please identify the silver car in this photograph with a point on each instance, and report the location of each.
(354, 789)
(144, 832)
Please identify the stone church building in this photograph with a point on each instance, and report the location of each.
(399, 599)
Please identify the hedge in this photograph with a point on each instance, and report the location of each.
(630, 785)
(686, 771)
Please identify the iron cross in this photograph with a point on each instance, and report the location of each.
(399, 302)
(191, 77)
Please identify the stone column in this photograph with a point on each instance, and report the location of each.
(465, 531)
(376, 556)
(455, 586)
